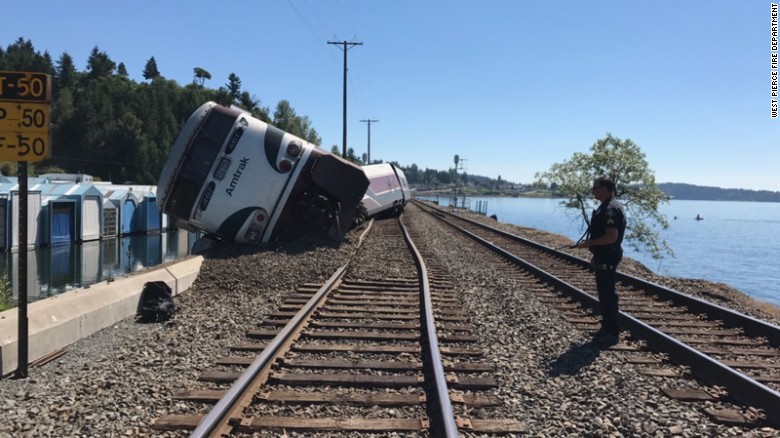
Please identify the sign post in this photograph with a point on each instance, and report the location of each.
(25, 99)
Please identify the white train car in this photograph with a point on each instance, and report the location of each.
(243, 180)
(388, 190)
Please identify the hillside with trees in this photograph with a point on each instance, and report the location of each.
(114, 128)
(704, 193)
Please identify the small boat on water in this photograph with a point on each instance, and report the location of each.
(699, 218)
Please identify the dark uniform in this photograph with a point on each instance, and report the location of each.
(605, 260)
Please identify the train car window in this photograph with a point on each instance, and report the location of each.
(199, 159)
(183, 197)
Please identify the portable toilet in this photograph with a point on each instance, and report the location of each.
(125, 202)
(129, 204)
(89, 209)
(33, 218)
(59, 223)
(148, 219)
(110, 219)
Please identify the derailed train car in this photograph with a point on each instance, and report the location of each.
(388, 191)
(243, 180)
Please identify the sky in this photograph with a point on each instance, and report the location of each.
(511, 86)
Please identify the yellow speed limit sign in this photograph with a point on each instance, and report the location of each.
(20, 146)
(24, 116)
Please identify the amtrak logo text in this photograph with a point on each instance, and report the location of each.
(234, 182)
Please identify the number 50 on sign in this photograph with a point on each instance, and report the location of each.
(24, 147)
(24, 116)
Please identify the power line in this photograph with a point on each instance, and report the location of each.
(347, 45)
(81, 160)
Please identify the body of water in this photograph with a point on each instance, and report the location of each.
(736, 243)
(54, 270)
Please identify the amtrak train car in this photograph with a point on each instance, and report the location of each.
(241, 179)
(388, 190)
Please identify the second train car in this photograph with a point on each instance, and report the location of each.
(388, 191)
(243, 180)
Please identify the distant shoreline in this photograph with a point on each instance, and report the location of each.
(677, 191)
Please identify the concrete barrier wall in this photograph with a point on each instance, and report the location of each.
(56, 322)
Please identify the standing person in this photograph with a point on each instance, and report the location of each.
(607, 226)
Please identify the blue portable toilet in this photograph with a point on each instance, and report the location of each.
(89, 207)
(60, 223)
(149, 214)
(128, 220)
(58, 215)
(126, 203)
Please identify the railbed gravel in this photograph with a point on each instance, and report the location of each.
(115, 382)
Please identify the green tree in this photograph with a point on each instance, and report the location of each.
(22, 56)
(286, 119)
(222, 96)
(121, 70)
(234, 87)
(200, 76)
(251, 104)
(625, 163)
(66, 74)
(352, 157)
(99, 64)
(150, 70)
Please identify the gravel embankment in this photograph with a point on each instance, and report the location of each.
(115, 382)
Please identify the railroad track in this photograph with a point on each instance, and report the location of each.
(722, 347)
(370, 351)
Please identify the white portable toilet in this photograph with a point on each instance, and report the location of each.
(33, 216)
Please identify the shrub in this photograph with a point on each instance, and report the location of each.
(5, 293)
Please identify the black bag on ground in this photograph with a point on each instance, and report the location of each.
(156, 303)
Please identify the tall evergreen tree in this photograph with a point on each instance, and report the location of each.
(150, 70)
(234, 87)
(99, 64)
(21, 56)
(66, 71)
(121, 70)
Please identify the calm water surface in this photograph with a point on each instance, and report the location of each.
(737, 243)
(51, 271)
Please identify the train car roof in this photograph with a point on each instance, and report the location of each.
(373, 170)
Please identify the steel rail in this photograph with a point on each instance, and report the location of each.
(731, 318)
(739, 386)
(443, 402)
(218, 416)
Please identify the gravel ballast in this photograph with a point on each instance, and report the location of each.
(116, 381)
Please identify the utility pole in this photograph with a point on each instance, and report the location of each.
(369, 121)
(347, 45)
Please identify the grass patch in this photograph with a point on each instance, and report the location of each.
(5, 293)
